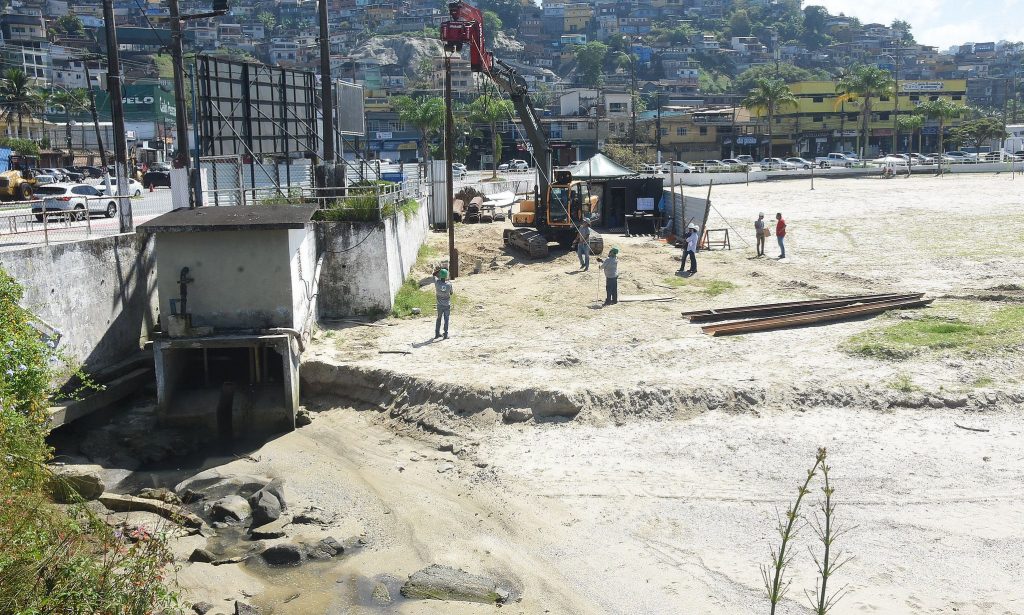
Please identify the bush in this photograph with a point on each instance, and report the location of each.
(57, 559)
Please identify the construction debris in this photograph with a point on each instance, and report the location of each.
(793, 307)
(860, 307)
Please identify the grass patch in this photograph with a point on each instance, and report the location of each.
(903, 383)
(983, 382)
(411, 296)
(708, 286)
(962, 332)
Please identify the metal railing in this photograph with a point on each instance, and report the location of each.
(26, 223)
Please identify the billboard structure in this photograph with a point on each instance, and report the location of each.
(256, 111)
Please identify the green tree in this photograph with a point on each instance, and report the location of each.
(912, 124)
(492, 23)
(269, 22)
(590, 63)
(942, 110)
(70, 25)
(864, 82)
(488, 109)
(770, 96)
(18, 97)
(745, 81)
(672, 34)
(508, 11)
(815, 27)
(739, 23)
(424, 113)
(979, 131)
(902, 30)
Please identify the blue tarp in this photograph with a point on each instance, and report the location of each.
(5, 159)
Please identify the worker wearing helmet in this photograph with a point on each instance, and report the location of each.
(610, 266)
(443, 290)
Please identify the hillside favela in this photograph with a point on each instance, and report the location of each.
(616, 307)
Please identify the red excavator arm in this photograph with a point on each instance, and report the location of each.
(467, 27)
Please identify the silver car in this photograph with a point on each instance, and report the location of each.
(76, 200)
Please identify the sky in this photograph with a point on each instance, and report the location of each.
(942, 23)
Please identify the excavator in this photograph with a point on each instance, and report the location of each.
(559, 203)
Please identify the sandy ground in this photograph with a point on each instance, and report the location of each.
(627, 510)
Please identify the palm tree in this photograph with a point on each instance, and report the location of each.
(865, 82)
(488, 109)
(426, 114)
(18, 96)
(940, 109)
(912, 124)
(769, 95)
(71, 102)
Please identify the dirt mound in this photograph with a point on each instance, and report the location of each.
(440, 407)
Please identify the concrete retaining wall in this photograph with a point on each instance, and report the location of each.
(365, 263)
(703, 179)
(100, 293)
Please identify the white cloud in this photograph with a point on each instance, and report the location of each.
(942, 23)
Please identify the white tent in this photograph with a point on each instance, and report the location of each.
(599, 167)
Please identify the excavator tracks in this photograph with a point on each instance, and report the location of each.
(527, 240)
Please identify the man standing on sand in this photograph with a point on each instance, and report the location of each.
(443, 290)
(611, 277)
(780, 234)
(759, 229)
(582, 244)
(690, 249)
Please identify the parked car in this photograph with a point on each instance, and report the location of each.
(852, 156)
(677, 166)
(134, 187)
(44, 179)
(835, 159)
(72, 175)
(921, 159)
(459, 170)
(56, 173)
(776, 164)
(736, 165)
(958, 157)
(77, 200)
(745, 159)
(801, 163)
(518, 165)
(157, 175)
(90, 172)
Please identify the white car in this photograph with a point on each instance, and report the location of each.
(134, 187)
(801, 163)
(459, 170)
(77, 200)
(677, 166)
(776, 164)
(43, 180)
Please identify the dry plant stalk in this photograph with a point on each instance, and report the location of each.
(774, 573)
(828, 532)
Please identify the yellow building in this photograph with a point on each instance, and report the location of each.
(577, 18)
(820, 124)
(693, 135)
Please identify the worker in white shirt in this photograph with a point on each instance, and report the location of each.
(690, 249)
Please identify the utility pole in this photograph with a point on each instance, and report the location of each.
(449, 155)
(95, 117)
(181, 157)
(896, 99)
(124, 206)
(632, 105)
(658, 125)
(326, 95)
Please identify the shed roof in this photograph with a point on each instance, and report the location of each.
(599, 166)
(257, 217)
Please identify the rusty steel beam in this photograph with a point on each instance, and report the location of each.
(793, 307)
(820, 316)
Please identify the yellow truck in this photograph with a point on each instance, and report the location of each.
(18, 183)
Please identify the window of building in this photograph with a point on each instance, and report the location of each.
(590, 125)
(664, 132)
(611, 127)
(915, 98)
(817, 118)
(680, 131)
(703, 130)
(883, 98)
(622, 127)
(933, 98)
(851, 117)
(883, 117)
(571, 126)
(818, 99)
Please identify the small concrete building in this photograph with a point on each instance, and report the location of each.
(237, 293)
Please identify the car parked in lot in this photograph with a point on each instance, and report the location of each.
(801, 163)
(676, 166)
(44, 179)
(736, 165)
(157, 175)
(745, 159)
(72, 175)
(776, 164)
(920, 159)
(57, 174)
(76, 200)
(134, 187)
(958, 157)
